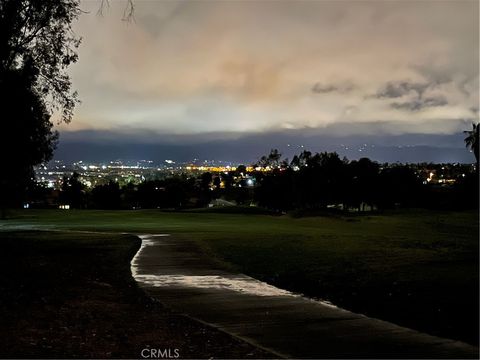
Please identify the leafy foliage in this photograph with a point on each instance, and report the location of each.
(39, 34)
(37, 45)
(471, 141)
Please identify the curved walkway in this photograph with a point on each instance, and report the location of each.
(286, 324)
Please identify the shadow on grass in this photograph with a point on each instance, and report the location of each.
(68, 294)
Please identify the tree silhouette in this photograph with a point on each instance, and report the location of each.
(39, 34)
(363, 178)
(26, 137)
(471, 141)
(73, 191)
(271, 160)
(37, 45)
(241, 169)
(107, 196)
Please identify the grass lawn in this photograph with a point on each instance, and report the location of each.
(71, 295)
(416, 268)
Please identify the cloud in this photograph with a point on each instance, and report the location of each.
(320, 88)
(248, 147)
(155, 23)
(221, 66)
(395, 89)
(420, 104)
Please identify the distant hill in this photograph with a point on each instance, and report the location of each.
(106, 146)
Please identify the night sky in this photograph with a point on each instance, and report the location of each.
(225, 79)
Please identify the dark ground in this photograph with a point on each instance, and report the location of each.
(415, 268)
(71, 295)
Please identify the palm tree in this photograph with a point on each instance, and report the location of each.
(471, 141)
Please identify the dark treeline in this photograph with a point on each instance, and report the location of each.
(324, 180)
(309, 182)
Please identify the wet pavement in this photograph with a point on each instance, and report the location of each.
(286, 324)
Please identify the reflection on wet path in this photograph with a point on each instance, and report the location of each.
(234, 282)
(242, 284)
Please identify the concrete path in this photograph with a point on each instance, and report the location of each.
(284, 323)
